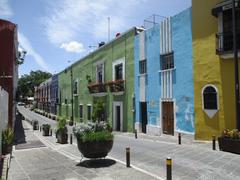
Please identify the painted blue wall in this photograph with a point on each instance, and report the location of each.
(182, 78)
(153, 88)
(183, 87)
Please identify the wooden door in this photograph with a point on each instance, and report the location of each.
(168, 118)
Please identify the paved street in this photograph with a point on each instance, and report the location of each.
(192, 160)
(52, 161)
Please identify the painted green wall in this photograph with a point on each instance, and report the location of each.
(122, 47)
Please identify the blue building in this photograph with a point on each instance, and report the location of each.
(164, 91)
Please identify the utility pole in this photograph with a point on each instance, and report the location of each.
(108, 29)
(235, 52)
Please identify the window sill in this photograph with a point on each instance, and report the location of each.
(140, 75)
(167, 70)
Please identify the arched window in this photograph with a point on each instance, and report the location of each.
(210, 98)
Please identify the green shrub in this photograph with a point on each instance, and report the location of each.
(46, 126)
(233, 134)
(7, 136)
(98, 131)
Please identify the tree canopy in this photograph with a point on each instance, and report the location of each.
(27, 83)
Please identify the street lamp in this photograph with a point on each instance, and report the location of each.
(235, 51)
(71, 74)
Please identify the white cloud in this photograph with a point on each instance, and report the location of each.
(73, 46)
(31, 52)
(69, 19)
(5, 9)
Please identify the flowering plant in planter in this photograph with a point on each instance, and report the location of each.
(95, 140)
(62, 131)
(230, 141)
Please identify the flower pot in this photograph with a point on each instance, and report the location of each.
(46, 131)
(62, 138)
(35, 125)
(229, 145)
(6, 149)
(94, 149)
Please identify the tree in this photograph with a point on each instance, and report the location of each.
(27, 83)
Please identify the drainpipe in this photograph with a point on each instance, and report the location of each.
(235, 51)
(72, 117)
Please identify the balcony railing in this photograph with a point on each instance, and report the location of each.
(97, 88)
(116, 86)
(224, 43)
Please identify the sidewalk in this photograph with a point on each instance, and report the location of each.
(58, 162)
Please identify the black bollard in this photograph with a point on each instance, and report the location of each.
(214, 142)
(179, 138)
(135, 132)
(50, 132)
(169, 168)
(128, 157)
(71, 139)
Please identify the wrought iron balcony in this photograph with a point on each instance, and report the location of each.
(224, 43)
(116, 86)
(97, 88)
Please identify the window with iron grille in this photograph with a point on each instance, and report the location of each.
(167, 61)
(143, 67)
(100, 75)
(210, 98)
(119, 72)
(80, 111)
(75, 87)
(89, 112)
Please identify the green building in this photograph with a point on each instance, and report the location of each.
(107, 74)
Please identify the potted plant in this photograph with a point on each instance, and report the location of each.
(230, 141)
(95, 140)
(7, 141)
(35, 125)
(62, 131)
(46, 129)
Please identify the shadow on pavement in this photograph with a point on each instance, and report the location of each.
(97, 163)
(19, 134)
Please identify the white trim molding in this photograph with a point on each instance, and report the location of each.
(117, 62)
(117, 103)
(210, 112)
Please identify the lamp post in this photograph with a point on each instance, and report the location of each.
(235, 52)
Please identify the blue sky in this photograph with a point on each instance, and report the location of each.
(57, 33)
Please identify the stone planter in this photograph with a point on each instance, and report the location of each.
(62, 138)
(229, 145)
(46, 131)
(94, 149)
(35, 125)
(6, 149)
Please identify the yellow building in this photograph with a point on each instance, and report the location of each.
(214, 89)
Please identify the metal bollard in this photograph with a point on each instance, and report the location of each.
(135, 131)
(169, 168)
(128, 157)
(50, 132)
(71, 139)
(179, 138)
(214, 142)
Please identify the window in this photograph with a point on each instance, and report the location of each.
(167, 61)
(210, 100)
(75, 87)
(66, 101)
(100, 73)
(118, 72)
(143, 67)
(89, 112)
(80, 111)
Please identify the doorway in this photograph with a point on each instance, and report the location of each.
(144, 116)
(168, 118)
(117, 116)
